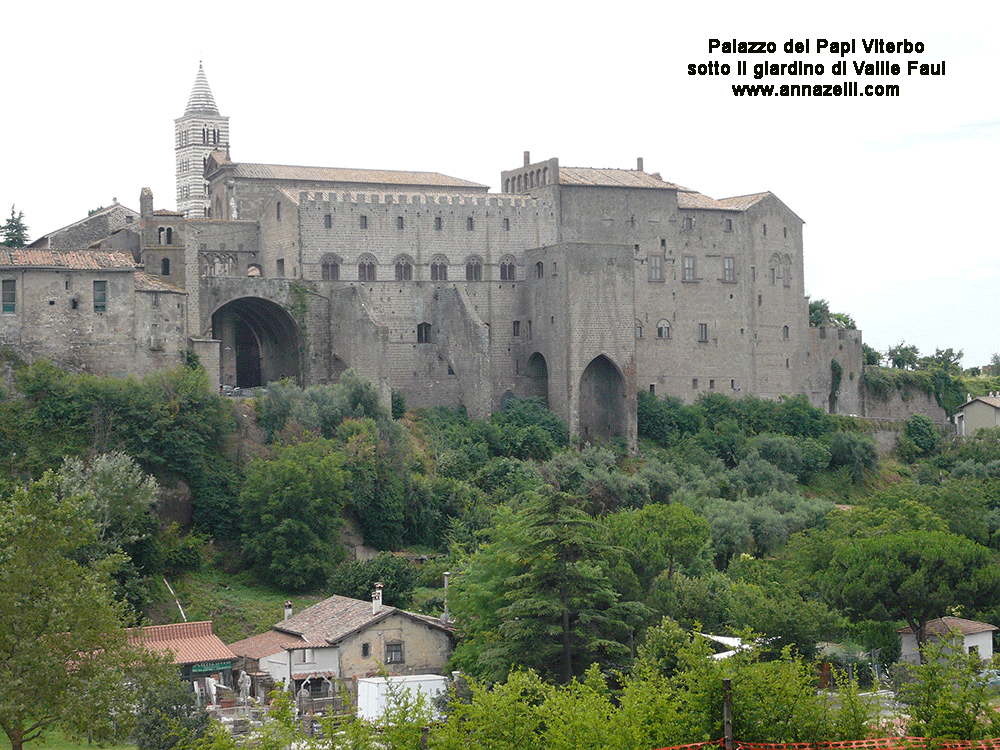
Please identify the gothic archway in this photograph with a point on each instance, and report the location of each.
(538, 378)
(260, 343)
(602, 401)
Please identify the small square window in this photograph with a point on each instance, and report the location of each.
(394, 653)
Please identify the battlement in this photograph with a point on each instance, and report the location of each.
(335, 200)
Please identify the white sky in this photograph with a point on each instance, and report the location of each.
(899, 195)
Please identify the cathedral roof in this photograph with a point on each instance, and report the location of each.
(201, 100)
(345, 175)
(70, 259)
(597, 177)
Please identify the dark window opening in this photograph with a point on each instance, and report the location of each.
(424, 333)
(165, 267)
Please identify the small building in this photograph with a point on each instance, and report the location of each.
(203, 659)
(328, 646)
(978, 413)
(375, 694)
(975, 637)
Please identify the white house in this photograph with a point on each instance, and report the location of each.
(975, 637)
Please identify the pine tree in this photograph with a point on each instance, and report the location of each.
(14, 231)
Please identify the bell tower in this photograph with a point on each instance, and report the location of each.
(198, 133)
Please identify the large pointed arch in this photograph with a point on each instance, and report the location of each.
(261, 342)
(602, 401)
(538, 378)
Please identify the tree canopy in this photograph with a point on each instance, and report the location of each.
(14, 231)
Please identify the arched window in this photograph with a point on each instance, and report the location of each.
(165, 267)
(638, 329)
(330, 268)
(545, 175)
(506, 185)
(474, 269)
(439, 268)
(253, 271)
(159, 235)
(367, 268)
(170, 236)
(424, 333)
(539, 270)
(520, 184)
(508, 269)
(784, 333)
(404, 268)
(663, 330)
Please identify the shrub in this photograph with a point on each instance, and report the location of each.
(854, 452)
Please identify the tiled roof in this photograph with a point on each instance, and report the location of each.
(265, 644)
(201, 99)
(692, 199)
(75, 259)
(167, 212)
(947, 625)
(145, 282)
(346, 175)
(612, 178)
(993, 401)
(332, 619)
(189, 642)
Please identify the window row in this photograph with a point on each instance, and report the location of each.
(8, 297)
(363, 222)
(663, 331)
(689, 268)
(331, 266)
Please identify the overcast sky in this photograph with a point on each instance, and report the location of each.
(899, 195)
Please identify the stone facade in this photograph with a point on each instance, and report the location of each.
(577, 285)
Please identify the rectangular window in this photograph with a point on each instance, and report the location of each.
(394, 653)
(517, 328)
(529, 330)
(694, 383)
(366, 650)
(469, 224)
(399, 222)
(277, 213)
(438, 223)
(688, 223)
(728, 225)
(327, 221)
(506, 224)
(656, 268)
(9, 296)
(703, 332)
(652, 388)
(280, 268)
(729, 269)
(364, 221)
(753, 274)
(100, 296)
(711, 385)
(688, 268)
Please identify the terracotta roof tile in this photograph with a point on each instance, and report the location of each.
(348, 175)
(946, 625)
(145, 282)
(612, 178)
(188, 642)
(76, 259)
(265, 644)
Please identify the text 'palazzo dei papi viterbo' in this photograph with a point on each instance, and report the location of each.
(577, 285)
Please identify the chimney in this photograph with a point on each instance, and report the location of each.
(638, 163)
(288, 609)
(445, 616)
(527, 158)
(377, 599)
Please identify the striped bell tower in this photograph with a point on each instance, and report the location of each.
(199, 132)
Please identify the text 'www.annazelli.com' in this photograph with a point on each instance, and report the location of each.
(816, 89)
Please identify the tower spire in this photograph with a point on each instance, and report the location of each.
(199, 132)
(201, 100)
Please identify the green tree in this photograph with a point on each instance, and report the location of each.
(913, 576)
(903, 356)
(62, 644)
(538, 595)
(291, 506)
(120, 498)
(14, 231)
(946, 697)
(167, 713)
(357, 578)
(872, 357)
(923, 433)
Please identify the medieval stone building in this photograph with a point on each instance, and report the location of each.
(577, 285)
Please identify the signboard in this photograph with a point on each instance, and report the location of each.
(208, 667)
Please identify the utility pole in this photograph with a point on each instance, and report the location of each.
(727, 712)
